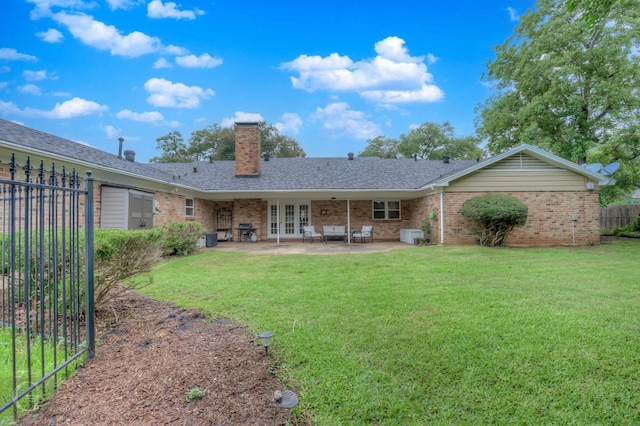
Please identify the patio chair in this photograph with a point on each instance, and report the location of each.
(309, 232)
(365, 232)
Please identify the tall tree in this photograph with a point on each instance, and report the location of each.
(425, 139)
(219, 143)
(278, 145)
(566, 86)
(173, 148)
(382, 147)
(430, 141)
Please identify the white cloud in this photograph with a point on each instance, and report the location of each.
(43, 7)
(202, 61)
(14, 55)
(62, 94)
(34, 75)
(393, 76)
(144, 117)
(162, 63)
(50, 36)
(9, 108)
(513, 14)
(175, 50)
(241, 117)
(339, 119)
(164, 93)
(123, 4)
(112, 132)
(426, 93)
(75, 107)
(72, 108)
(431, 58)
(157, 9)
(107, 37)
(291, 123)
(30, 89)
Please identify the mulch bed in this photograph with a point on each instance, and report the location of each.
(150, 355)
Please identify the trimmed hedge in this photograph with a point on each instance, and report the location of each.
(496, 215)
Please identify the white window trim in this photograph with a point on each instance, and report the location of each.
(187, 207)
(386, 209)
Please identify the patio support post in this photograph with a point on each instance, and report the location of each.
(441, 217)
(278, 220)
(348, 221)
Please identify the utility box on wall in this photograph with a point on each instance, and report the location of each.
(125, 208)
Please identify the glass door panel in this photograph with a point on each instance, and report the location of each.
(293, 216)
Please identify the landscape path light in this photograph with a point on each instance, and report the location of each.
(265, 337)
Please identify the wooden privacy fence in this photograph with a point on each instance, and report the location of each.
(612, 217)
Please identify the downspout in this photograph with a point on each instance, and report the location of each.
(441, 217)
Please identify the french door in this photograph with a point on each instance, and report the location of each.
(288, 217)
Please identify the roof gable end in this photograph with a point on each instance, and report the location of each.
(528, 158)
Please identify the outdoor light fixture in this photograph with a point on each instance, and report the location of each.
(265, 337)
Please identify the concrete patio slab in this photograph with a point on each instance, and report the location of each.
(309, 248)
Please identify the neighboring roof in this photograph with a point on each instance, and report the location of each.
(292, 174)
(636, 194)
(20, 137)
(535, 152)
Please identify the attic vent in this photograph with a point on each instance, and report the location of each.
(350, 156)
(195, 170)
(445, 159)
(522, 162)
(266, 156)
(130, 155)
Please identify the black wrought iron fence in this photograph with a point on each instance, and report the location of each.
(46, 301)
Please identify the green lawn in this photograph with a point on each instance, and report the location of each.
(444, 335)
(22, 371)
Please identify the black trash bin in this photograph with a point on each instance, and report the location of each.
(211, 239)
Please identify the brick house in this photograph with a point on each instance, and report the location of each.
(278, 196)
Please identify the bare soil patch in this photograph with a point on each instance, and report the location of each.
(150, 355)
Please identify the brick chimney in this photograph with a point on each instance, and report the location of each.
(247, 149)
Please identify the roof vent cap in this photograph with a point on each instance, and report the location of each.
(130, 155)
(350, 156)
(445, 159)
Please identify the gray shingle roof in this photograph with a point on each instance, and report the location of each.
(277, 174)
(12, 133)
(361, 173)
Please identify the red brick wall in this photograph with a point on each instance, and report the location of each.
(250, 211)
(172, 209)
(549, 222)
(247, 149)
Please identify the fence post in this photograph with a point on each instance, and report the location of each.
(89, 257)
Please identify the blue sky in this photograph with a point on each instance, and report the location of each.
(330, 74)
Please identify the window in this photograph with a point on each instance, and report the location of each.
(188, 207)
(386, 210)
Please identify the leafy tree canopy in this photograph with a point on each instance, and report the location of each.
(219, 142)
(430, 141)
(568, 86)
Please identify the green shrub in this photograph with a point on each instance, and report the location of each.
(632, 230)
(496, 215)
(123, 259)
(181, 237)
